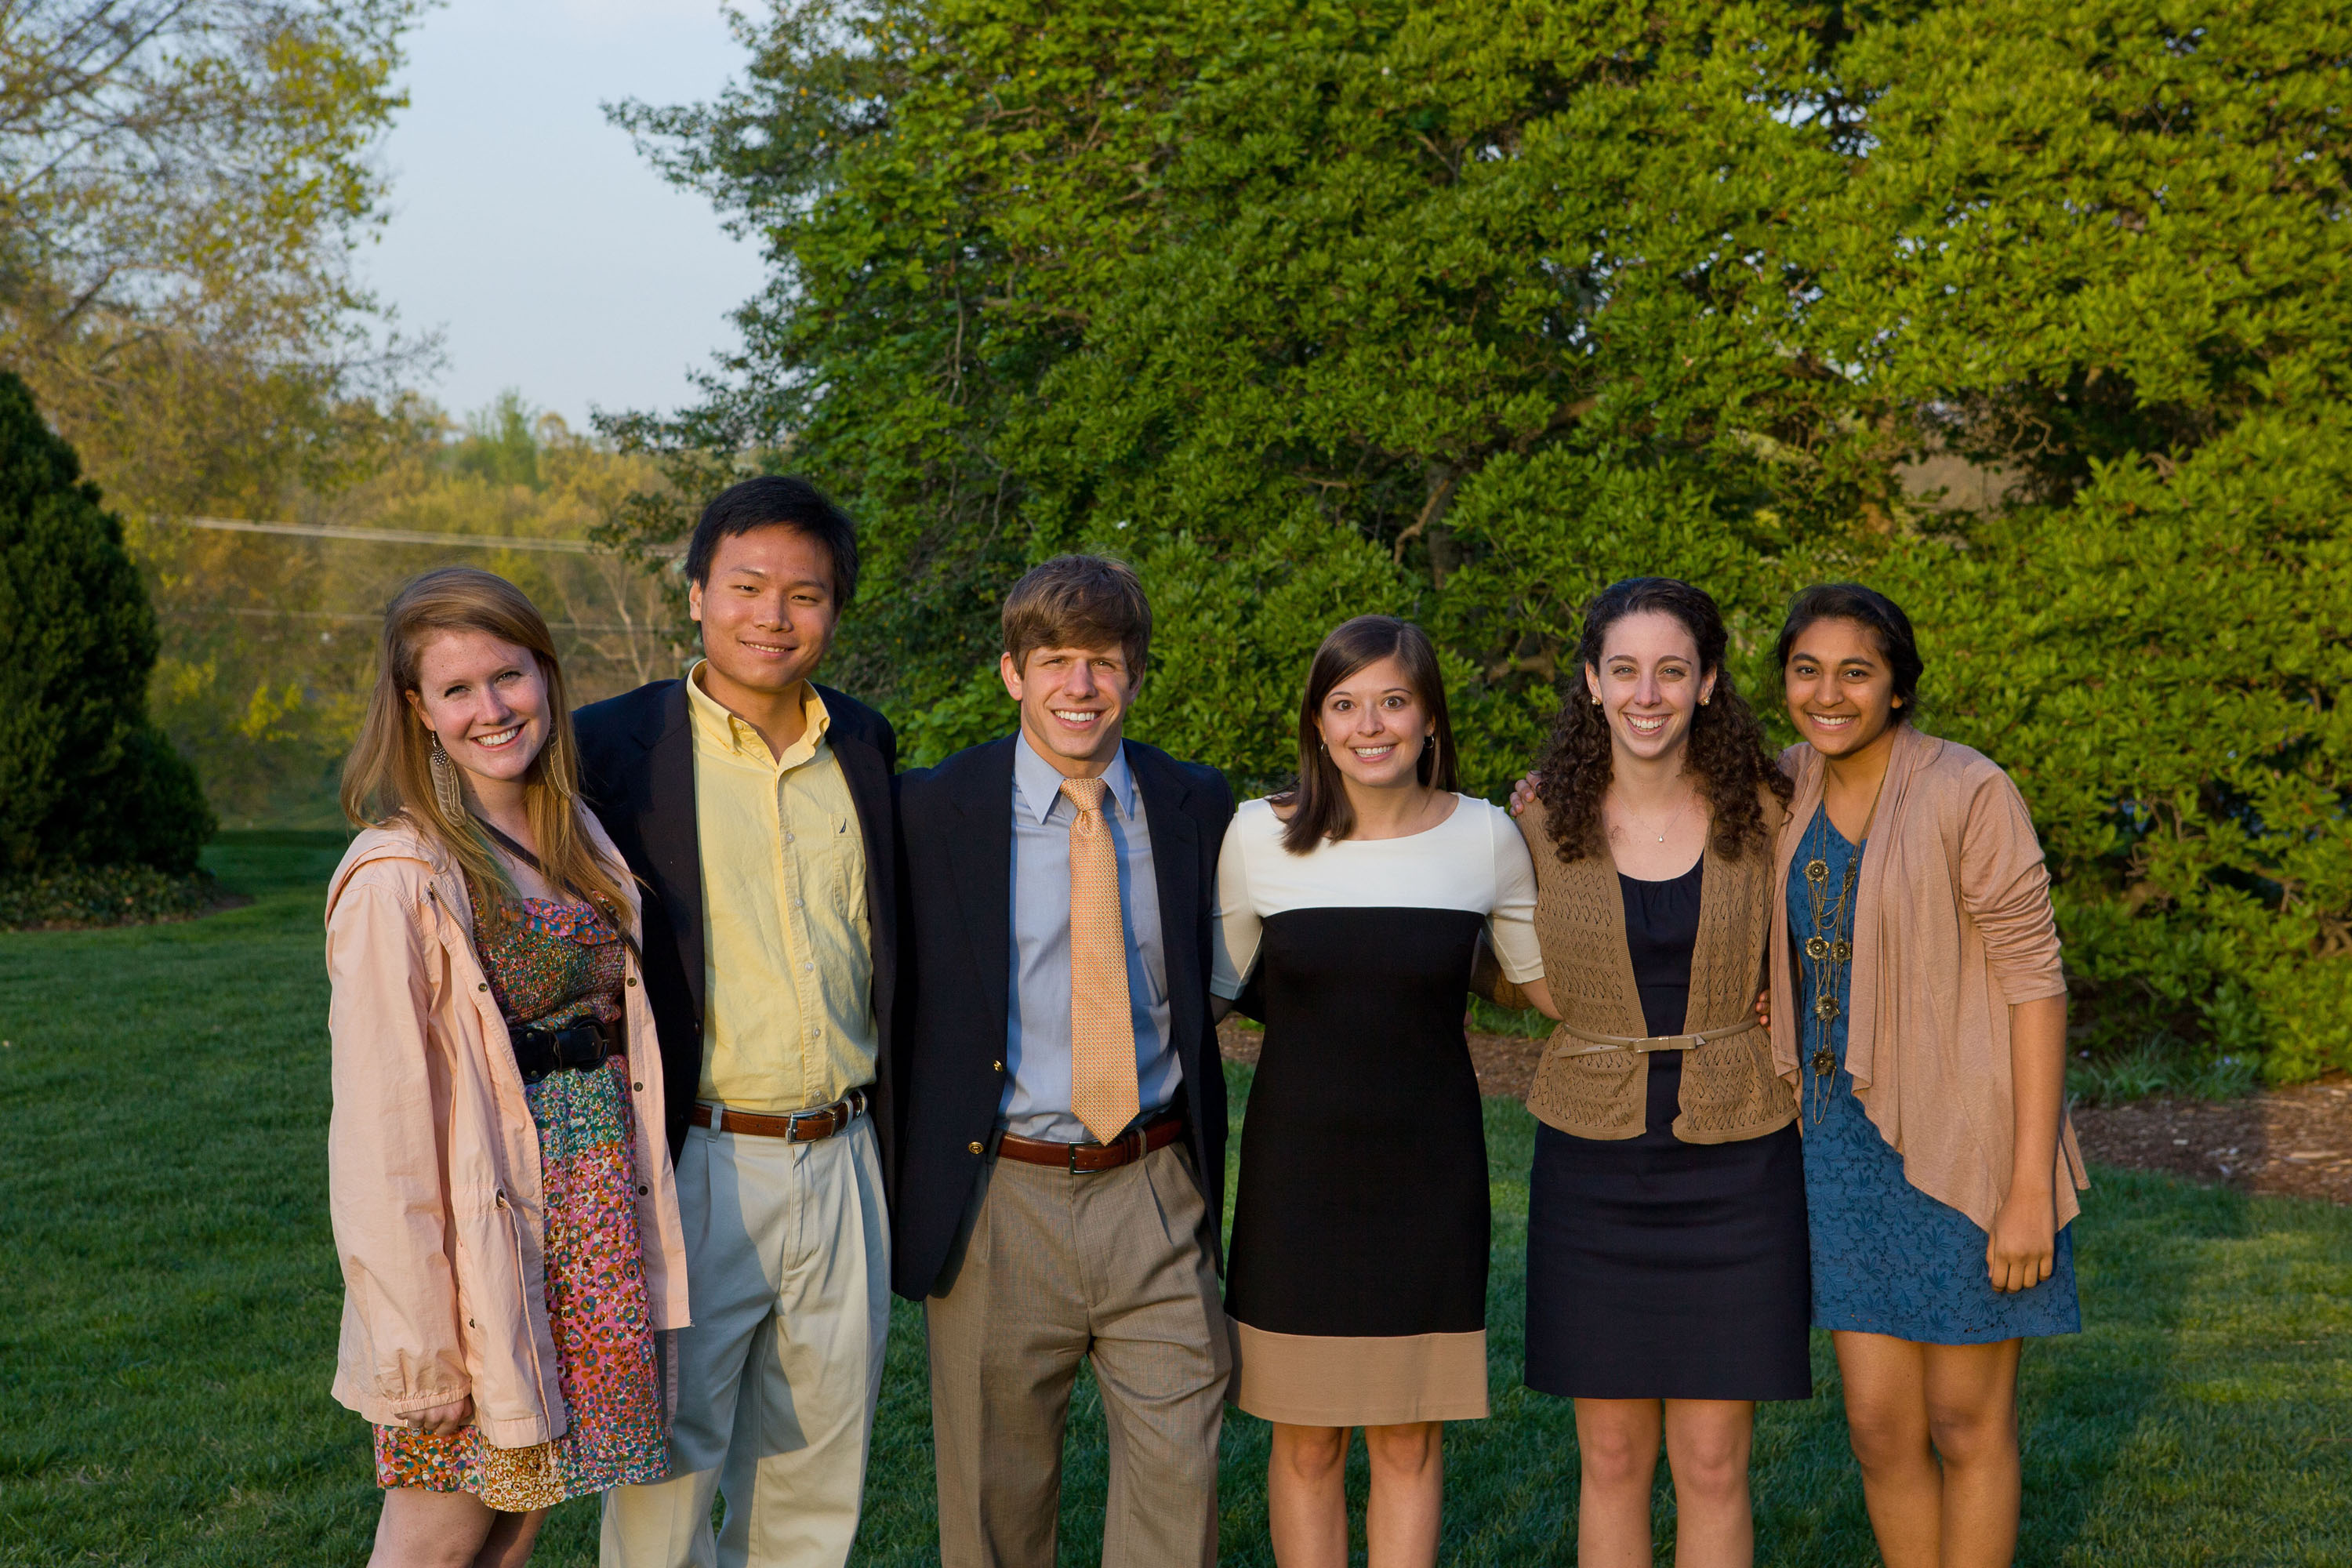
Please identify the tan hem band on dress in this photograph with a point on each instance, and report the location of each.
(1328, 1380)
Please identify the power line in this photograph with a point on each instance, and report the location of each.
(347, 618)
(410, 536)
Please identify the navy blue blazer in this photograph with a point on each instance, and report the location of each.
(637, 769)
(955, 977)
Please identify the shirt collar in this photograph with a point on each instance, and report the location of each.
(715, 725)
(1038, 783)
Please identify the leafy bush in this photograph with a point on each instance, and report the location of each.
(2162, 1066)
(104, 896)
(1463, 312)
(85, 779)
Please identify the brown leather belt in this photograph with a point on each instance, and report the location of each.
(797, 1127)
(1085, 1159)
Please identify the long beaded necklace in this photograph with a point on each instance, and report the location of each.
(1830, 952)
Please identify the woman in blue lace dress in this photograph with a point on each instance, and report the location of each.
(1928, 1040)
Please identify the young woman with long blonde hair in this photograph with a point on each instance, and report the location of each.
(498, 1174)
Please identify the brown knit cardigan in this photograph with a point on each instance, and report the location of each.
(1729, 1089)
(1953, 927)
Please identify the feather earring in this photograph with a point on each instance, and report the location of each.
(448, 793)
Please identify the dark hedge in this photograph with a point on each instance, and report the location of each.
(84, 778)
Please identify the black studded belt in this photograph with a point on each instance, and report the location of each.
(576, 1047)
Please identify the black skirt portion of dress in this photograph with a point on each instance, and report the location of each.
(1661, 1270)
(1361, 1208)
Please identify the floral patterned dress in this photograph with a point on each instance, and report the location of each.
(555, 965)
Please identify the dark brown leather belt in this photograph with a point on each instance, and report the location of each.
(1084, 1159)
(796, 1127)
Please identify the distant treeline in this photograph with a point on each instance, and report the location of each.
(268, 640)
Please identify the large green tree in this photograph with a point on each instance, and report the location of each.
(182, 184)
(1463, 312)
(2106, 248)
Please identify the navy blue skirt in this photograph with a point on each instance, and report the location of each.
(1668, 1270)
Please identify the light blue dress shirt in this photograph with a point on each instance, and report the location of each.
(1037, 1102)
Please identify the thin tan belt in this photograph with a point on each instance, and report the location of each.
(1596, 1044)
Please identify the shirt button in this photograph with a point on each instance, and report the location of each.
(484, 985)
(633, 980)
(788, 839)
(643, 1190)
(638, 1087)
(975, 1148)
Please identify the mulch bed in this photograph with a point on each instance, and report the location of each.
(2292, 1142)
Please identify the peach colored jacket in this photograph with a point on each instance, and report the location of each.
(433, 1173)
(1952, 925)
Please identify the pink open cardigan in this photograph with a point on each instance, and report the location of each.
(1952, 925)
(433, 1174)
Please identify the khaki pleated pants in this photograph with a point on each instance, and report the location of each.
(1056, 1268)
(788, 1273)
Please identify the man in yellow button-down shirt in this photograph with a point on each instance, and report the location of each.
(788, 954)
(756, 807)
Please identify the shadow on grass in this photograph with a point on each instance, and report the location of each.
(2083, 1399)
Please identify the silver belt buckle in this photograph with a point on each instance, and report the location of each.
(1134, 1132)
(840, 1113)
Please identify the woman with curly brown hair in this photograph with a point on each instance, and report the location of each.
(1666, 1256)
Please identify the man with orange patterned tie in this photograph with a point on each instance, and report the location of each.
(1062, 1150)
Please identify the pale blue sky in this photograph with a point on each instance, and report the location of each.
(529, 232)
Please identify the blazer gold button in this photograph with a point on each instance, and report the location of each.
(484, 985)
(975, 1148)
(996, 1067)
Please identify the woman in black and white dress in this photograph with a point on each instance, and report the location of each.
(1349, 911)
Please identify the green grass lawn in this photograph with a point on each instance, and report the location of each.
(169, 1298)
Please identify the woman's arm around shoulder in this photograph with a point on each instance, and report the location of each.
(1511, 926)
(1233, 923)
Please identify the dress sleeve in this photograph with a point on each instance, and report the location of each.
(1511, 926)
(1233, 923)
(2005, 888)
